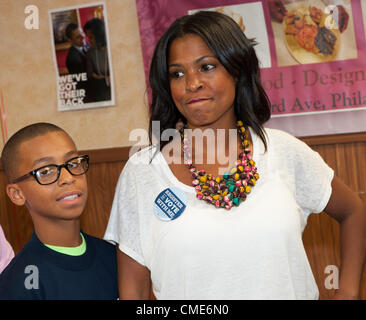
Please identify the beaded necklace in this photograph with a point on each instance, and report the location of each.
(233, 187)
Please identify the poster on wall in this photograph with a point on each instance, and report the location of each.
(311, 52)
(81, 52)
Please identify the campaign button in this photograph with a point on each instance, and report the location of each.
(169, 204)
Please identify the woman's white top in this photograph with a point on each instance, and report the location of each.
(253, 251)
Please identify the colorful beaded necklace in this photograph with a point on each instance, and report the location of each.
(234, 186)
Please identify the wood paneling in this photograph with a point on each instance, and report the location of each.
(102, 180)
(346, 154)
(335, 139)
(15, 221)
(322, 234)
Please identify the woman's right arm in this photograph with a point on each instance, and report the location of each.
(133, 278)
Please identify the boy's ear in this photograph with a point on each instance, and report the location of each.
(15, 194)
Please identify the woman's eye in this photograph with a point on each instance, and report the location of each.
(207, 67)
(176, 74)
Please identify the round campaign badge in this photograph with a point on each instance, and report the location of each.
(169, 204)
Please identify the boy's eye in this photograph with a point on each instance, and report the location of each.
(46, 171)
(74, 163)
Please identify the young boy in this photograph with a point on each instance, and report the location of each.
(47, 175)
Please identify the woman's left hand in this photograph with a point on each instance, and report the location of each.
(343, 295)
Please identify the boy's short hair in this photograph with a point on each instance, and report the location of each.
(9, 154)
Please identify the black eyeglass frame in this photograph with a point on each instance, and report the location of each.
(65, 165)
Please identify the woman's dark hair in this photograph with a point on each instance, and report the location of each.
(97, 27)
(234, 51)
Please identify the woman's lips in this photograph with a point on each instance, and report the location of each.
(198, 100)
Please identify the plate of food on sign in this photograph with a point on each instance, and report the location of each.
(312, 29)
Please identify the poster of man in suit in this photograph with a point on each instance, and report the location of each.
(82, 57)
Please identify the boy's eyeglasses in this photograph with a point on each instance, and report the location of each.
(50, 173)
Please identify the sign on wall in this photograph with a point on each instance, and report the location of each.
(312, 56)
(81, 51)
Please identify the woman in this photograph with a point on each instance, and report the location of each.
(198, 233)
(97, 64)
